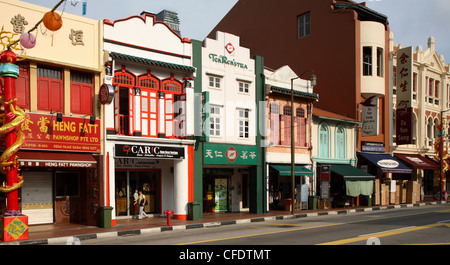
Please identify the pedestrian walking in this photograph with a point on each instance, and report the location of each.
(142, 201)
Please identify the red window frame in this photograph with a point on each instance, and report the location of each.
(124, 123)
(50, 88)
(149, 86)
(172, 88)
(81, 92)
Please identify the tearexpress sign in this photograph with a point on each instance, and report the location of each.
(224, 60)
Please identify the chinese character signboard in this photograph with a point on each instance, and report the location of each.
(223, 154)
(404, 110)
(44, 132)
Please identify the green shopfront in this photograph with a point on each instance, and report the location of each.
(228, 173)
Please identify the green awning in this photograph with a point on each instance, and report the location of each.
(351, 173)
(285, 170)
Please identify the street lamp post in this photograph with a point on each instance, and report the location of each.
(313, 80)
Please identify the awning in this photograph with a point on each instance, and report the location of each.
(418, 161)
(351, 173)
(285, 170)
(55, 159)
(387, 163)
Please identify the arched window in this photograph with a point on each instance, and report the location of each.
(300, 112)
(340, 142)
(172, 86)
(149, 86)
(324, 141)
(123, 101)
(287, 110)
(430, 131)
(174, 100)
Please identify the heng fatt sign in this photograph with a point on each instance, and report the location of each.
(148, 151)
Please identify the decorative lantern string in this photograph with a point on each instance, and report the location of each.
(37, 24)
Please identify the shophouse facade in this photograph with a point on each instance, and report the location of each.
(338, 181)
(229, 172)
(61, 160)
(354, 82)
(278, 140)
(430, 100)
(149, 123)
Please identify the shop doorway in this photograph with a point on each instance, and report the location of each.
(67, 197)
(217, 193)
(128, 183)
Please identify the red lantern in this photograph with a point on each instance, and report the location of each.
(52, 21)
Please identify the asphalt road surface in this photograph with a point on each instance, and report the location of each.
(426, 225)
(263, 241)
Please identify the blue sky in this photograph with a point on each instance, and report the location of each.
(411, 21)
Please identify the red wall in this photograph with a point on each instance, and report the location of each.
(269, 29)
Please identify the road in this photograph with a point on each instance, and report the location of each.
(426, 225)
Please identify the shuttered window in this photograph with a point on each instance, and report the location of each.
(81, 92)
(50, 89)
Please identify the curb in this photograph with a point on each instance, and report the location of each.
(75, 240)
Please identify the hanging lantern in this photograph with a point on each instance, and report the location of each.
(28, 40)
(52, 21)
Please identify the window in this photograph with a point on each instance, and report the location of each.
(243, 123)
(123, 101)
(81, 92)
(300, 112)
(149, 86)
(430, 131)
(172, 86)
(301, 127)
(243, 87)
(323, 141)
(274, 123)
(287, 110)
(304, 25)
(214, 82)
(50, 89)
(436, 92)
(214, 121)
(380, 61)
(340, 142)
(22, 85)
(367, 61)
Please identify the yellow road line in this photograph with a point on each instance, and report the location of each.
(296, 229)
(383, 234)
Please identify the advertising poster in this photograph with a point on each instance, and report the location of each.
(221, 189)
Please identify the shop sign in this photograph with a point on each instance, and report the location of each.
(222, 154)
(43, 132)
(370, 117)
(106, 94)
(404, 96)
(134, 163)
(148, 151)
(224, 60)
(388, 163)
(377, 147)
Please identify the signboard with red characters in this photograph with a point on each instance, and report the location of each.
(44, 132)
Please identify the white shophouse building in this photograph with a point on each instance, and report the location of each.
(149, 124)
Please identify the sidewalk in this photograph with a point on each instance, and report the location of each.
(63, 233)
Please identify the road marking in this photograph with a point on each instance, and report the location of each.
(302, 228)
(392, 230)
(383, 234)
